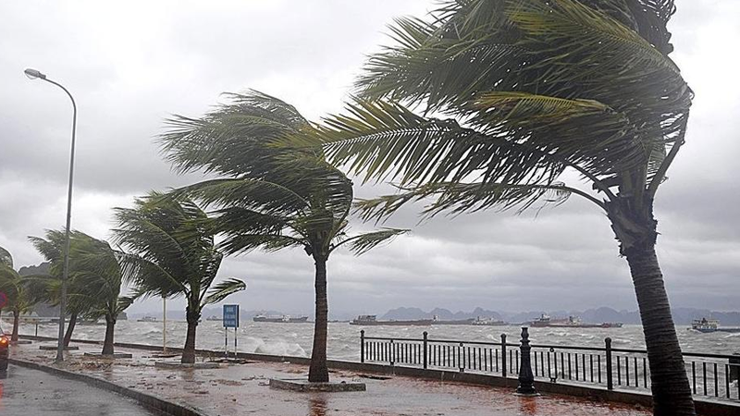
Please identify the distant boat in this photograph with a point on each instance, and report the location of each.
(147, 318)
(545, 321)
(214, 318)
(489, 322)
(470, 321)
(370, 320)
(706, 326)
(282, 319)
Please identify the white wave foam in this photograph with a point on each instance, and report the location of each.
(274, 347)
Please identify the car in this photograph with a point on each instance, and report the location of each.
(4, 344)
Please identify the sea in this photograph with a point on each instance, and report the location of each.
(295, 339)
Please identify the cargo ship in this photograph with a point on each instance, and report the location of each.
(370, 320)
(470, 321)
(545, 321)
(282, 319)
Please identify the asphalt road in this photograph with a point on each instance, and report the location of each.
(26, 392)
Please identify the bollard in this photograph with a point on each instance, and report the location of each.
(526, 377)
(362, 346)
(609, 380)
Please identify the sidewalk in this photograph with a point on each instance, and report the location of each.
(241, 389)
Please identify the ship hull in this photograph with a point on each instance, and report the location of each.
(424, 322)
(300, 320)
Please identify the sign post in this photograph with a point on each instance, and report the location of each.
(230, 320)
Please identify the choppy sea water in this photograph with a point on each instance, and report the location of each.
(343, 343)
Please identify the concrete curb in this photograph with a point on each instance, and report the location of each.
(148, 400)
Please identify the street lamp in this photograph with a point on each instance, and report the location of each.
(34, 74)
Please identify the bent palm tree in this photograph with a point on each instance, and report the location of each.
(98, 272)
(531, 89)
(270, 198)
(15, 288)
(173, 253)
(49, 287)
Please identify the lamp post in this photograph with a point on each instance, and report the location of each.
(34, 74)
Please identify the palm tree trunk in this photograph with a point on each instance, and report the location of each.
(188, 353)
(70, 329)
(670, 384)
(16, 322)
(318, 371)
(110, 327)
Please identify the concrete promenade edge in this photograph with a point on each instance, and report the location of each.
(147, 400)
(707, 407)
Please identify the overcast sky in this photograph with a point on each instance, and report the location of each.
(131, 64)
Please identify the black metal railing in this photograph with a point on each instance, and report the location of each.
(714, 375)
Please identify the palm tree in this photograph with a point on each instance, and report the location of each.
(268, 197)
(172, 253)
(19, 299)
(522, 91)
(98, 272)
(48, 287)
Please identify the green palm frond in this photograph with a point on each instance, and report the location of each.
(383, 140)
(217, 142)
(123, 303)
(459, 198)
(363, 243)
(150, 278)
(38, 288)
(222, 290)
(257, 194)
(576, 27)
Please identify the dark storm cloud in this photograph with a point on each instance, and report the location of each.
(182, 55)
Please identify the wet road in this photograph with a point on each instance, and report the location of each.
(28, 392)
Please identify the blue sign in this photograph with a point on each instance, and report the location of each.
(231, 316)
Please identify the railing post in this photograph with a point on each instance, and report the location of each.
(609, 381)
(362, 345)
(503, 355)
(734, 364)
(425, 342)
(392, 355)
(526, 377)
(461, 357)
